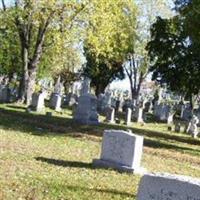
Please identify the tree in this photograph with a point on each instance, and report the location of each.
(174, 53)
(138, 63)
(33, 22)
(101, 71)
(10, 61)
(110, 36)
(190, 12)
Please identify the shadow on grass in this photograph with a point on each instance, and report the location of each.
(109, 191)
(16, 107)
(41, 125)
(77, 164)
(64, 163)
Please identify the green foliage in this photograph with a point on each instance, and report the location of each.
(101, 71)
(10, 55)
(110, 37)
(111, 28)
(175, 53)
(33, 16)
(190, 12)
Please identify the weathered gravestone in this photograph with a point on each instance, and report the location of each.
(192, 127)
(70, 99)
(86, 110)
(37, 103)
(147, 107)
(128, 116)
(138, 114)
(122, 151)
(4, 94)
(177, 127)
(55, 101)
(110, 115)
(170, 118)
(161, 112)
(168, 187)
(186, 113)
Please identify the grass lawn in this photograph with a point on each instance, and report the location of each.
(50, 157)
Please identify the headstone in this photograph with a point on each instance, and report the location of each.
(147, 106)
(168, 187)
(128, 116)
(139, 113)
(110, 114)
(170, 118)
(58, 86)
(55, 102)
(37, 103)
(177, 128)
(4, 94)
(86, 110)
(186, 113)
(161, 112)
(85, 89)
(107, 100)
(122, 151)
(70, 99)
(192, 127)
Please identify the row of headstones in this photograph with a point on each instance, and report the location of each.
(7, 94)
(38, 102)
(190, 128)
(86, 110)
(138, 115)
(164, 112)
(86, 105)
(122, 151)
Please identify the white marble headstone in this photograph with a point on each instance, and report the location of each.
(168, 187)
(38, 102)
(110, 114)
(128, 116)
(121, 150)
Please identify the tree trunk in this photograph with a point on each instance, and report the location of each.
(191, 103)
(30, 85)
(25, 76)
(100, 88)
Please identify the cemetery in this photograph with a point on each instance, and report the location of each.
(99, 100)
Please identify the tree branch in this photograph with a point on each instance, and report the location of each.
(3, 5)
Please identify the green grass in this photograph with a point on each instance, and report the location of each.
(50, 157)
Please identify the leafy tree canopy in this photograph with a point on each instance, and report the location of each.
(174, 51)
